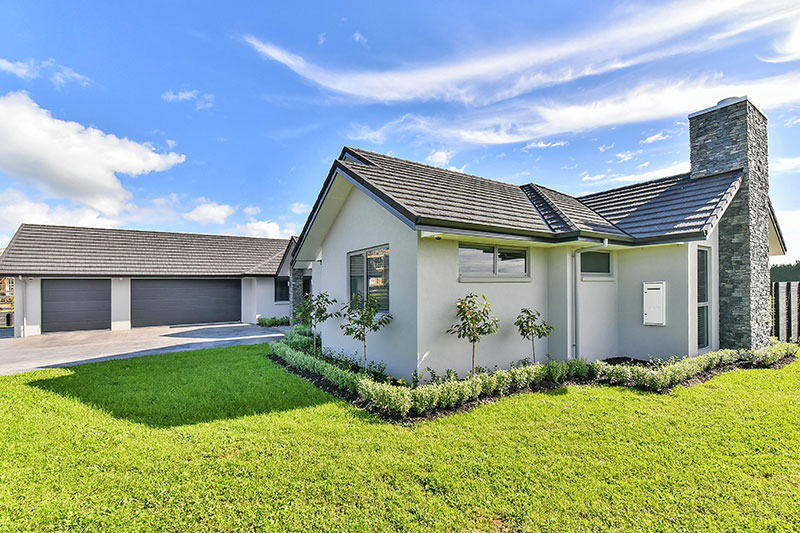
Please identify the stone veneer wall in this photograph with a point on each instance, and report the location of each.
(722, 139)
(295, 292)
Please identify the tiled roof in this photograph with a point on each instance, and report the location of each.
(430, 196)
(66, 250)
(574, 215)
(666, 206)
(427, 192)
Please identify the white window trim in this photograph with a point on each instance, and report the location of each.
(602, 276)
(363, 251)
(496, 277)
(707, 303)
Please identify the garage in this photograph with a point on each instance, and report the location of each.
(165, 302)
(70, 278)
(76, 304)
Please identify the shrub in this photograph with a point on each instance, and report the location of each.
(272, 321)
(773, 353)
(299, 342)
(302, 329)
(344, 379)
(385, 396)
(577, 369)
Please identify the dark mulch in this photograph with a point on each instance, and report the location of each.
(343, 394)
(545, 387)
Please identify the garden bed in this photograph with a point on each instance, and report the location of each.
(395, 400)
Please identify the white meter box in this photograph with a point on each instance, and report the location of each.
(655, 303)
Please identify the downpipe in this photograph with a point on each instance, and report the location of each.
(575, 299)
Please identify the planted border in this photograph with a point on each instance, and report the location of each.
(398, 402)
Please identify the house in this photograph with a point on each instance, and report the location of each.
(70, 278)
(673, 266)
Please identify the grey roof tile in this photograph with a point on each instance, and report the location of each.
(435, 193)
(67, 250)
(666, 206)
(663, 208)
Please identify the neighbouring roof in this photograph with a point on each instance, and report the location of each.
(664, 209)
(73, 251)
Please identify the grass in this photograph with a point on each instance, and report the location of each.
(224, 439)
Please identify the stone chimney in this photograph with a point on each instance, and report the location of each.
(729, 136)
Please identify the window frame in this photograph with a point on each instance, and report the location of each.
(276, 279)
(363, 252)
(598, 276)
(707, 303)
(495, 275)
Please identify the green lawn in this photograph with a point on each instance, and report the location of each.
(224, 439)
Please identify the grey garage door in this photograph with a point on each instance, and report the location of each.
(162, 302)
(76, 304)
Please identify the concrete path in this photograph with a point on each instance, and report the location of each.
(78, 347)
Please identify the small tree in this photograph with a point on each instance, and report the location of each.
(362, 316)
(475, 321)
(314, 311)
(529, 329)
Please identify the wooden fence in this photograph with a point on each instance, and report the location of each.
(786, 310)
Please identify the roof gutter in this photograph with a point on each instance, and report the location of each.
(575, 299)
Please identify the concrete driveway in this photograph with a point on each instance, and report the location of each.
(78, 347)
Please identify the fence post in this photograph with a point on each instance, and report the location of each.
(793, 310)
(775, 313)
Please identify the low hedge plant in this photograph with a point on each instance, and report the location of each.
(272, 321)
(449, 392)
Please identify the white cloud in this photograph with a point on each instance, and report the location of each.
(672, 170)
(789, 221)
(16, 208)
(299, 208)
(171, 143)
(21, 69)
(794, 121)
(590, 177)
(69, 160)
(627, 155)
(30, 69)
(360, 39)
(788, 48)
(210, 213)
(624, 37)
(531, 119)
(604, 147)
(321, 38)
(660, 136)
(268, 229)
(201, 100)
(643, 165)
(439, 158)
(785, 165)
(251, 210)
(545, 144)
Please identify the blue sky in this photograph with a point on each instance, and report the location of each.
(187, 117)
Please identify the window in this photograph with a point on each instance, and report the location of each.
(282, 289)
(369, 275)
(306, 286)
(702, 298)
(476, 260)
(596, 263)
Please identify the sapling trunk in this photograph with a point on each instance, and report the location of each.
(473, 358)
(533, 348)
(365, 353)
(315, 339)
